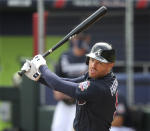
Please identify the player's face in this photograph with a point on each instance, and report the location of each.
(99, 69)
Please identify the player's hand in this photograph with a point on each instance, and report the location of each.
(38, 60)
(31, 71)
(26, 66)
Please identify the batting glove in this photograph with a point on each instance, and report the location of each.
(31, 71)
(26, 66)
(38, 60)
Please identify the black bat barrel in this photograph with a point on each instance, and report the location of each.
(81, 27)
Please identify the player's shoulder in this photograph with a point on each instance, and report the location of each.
(110, 78)
(106, 82)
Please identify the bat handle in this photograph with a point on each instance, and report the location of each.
(20, 73)
(47, 53)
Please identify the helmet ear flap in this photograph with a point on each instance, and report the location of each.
(87, 60)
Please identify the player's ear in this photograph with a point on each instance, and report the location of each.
(111, 65)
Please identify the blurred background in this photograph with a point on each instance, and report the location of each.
(29, 27)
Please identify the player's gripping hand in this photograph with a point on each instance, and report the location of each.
(31, 71)
(38, 60)
(26, 66)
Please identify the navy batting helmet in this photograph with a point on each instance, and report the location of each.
(102, 52)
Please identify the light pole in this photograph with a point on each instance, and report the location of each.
(129, 39)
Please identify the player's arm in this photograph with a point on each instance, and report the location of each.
(37, 69)
(80, 91)
(48, 78)
(57, 83)
(76, 80)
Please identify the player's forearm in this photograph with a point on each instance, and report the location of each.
(58, 83)
(76, 80)
(42, 81)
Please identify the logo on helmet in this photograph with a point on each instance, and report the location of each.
(98, 53)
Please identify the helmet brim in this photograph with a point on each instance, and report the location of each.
(101, 59)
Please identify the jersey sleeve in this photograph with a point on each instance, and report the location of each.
(77, 80)
(57, 83)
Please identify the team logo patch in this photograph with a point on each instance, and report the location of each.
(84, 85)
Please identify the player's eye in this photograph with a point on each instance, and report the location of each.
(100, 63)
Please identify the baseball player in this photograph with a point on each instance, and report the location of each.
(95, 91)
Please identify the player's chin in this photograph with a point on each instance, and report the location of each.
(95, 74)
(92, 75)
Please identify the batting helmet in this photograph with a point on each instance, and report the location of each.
(102, 52)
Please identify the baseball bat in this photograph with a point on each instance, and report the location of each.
(98, 14)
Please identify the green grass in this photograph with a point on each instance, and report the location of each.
(13, 48)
